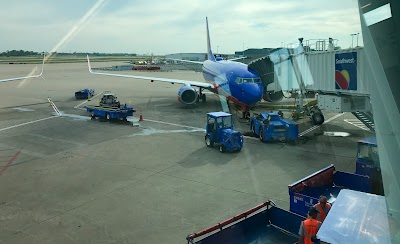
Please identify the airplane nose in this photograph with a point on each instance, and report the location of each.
(252, 93)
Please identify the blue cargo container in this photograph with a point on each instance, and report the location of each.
(328, 182)
(264, 223)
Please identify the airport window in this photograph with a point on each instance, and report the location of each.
(170, 142)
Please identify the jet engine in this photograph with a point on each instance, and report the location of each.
(187, 95)
(271, 96)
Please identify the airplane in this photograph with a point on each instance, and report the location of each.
(26, 77)
(227, 78)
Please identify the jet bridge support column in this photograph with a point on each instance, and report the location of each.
(314, 112)
(381, 38)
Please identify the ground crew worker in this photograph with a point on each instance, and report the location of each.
(309, 228)
(323, 207)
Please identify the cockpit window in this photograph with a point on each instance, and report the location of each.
(247, 80)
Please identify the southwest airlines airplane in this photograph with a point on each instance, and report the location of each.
(227, 78)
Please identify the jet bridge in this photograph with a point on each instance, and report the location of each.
(264, 67)
(339, 78)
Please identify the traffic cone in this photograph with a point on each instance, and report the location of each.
(141, 117)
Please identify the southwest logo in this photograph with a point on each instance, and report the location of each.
(346, 71)
(342, 79)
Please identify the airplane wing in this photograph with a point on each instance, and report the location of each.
(183, 82)
(186, 61)
(233, 59)
(26, 77)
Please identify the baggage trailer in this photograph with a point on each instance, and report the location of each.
(84, 94)
(264, 223)
(305, 193)
(271, 127)
(110, 113)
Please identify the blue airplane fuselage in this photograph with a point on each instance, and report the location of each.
(235, 81)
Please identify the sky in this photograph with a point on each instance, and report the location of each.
(163, 27)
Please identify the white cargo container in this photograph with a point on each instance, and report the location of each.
(344, 103)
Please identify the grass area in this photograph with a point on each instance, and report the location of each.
(69, 59)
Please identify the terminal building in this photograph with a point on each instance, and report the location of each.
(188, 56)
(253, 53)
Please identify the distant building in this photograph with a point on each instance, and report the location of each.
(253, 53)
(188, 56)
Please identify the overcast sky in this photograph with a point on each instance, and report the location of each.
(171, 26)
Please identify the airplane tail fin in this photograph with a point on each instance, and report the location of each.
(210, 55)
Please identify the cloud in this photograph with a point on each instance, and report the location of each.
(172, 26)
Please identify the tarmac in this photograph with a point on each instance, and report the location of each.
(69, 179)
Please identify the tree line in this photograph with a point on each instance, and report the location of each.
(13, 53)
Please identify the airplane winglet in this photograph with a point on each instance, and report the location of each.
(41, 72)
(90, 67)
(29, 76)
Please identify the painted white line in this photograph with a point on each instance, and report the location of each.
(75, 116)
(357, 123)
(27, 123)
(47, 138)
(147, 132)
(23, 109)
(167, 123)
(317, 126)
(308, 130)
(54, 106)
(77, 106)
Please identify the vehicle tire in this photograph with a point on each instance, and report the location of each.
(203, 98)
(221, 148)
(108, 117)
(253, 130)
(261, 134)
(318, 118)
(208, 141)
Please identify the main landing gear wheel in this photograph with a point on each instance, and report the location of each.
(253, 129)
(317, 118)
(203, 98)
(208, 141)
(221, 148)
(246, 115)
(261, 132)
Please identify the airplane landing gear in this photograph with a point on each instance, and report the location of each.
(201, 96)
(246, 113)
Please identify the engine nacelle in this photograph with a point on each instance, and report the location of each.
(271, 96)
(187, 95)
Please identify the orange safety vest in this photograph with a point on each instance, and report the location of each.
(322, 215)
(311, 227)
